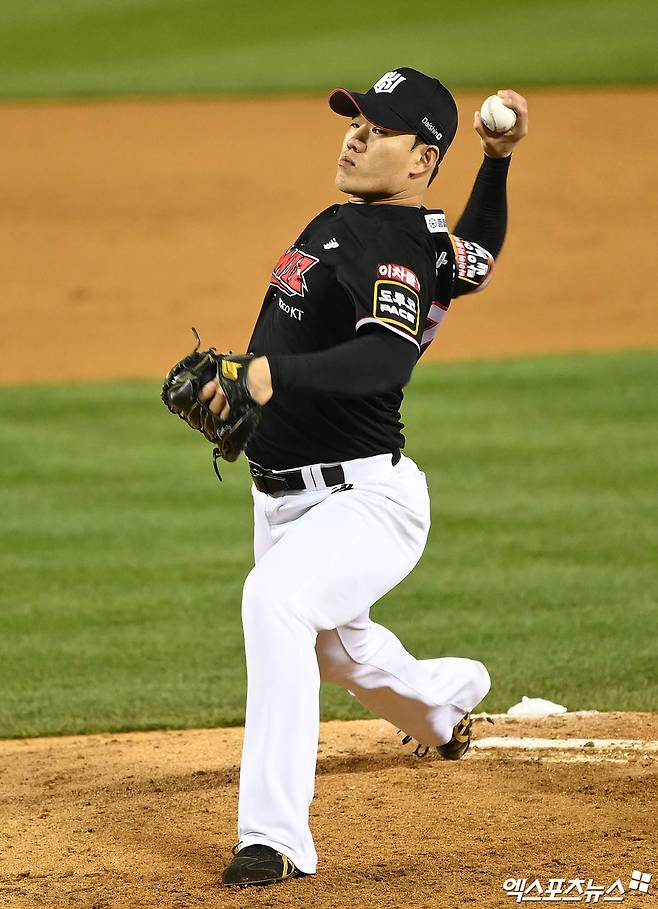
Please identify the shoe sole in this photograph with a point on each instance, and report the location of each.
(460, 742)
(453, 750)
(264, 883)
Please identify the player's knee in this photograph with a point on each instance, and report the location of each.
(331, 671)
(334, 662)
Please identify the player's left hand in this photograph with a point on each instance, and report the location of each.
(501, 145)
(210, 392)
(212, 395)
(259, 383)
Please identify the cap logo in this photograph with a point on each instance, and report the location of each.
(432, 128)
(388, 82)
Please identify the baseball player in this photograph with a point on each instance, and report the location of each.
(341, 515)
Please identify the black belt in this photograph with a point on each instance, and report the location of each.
(273, 482)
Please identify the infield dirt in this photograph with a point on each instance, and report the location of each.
(121, 225)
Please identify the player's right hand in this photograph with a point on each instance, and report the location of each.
(501, 145)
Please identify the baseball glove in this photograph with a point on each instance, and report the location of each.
(185, 380)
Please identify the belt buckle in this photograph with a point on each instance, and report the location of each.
(265, 481)
(274, 485)
(256, 470)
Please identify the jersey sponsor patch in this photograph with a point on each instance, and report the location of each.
(290, 272)
(474, 264)
(396, 304)
(436, 223)
(398, 273)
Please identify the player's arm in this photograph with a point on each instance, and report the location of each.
(390, 310)
(484, 219)
(391, 303)
(372, 363)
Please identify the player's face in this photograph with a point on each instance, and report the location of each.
(375, 163)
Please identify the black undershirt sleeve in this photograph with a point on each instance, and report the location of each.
(377, 360)
(484, 220)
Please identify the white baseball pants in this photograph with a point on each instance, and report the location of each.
(323, 558)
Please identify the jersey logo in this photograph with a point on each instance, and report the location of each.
(396, 304)
(344, 488)
(332, 244)
(440, 260)
(388, 82)
(290, 271)
(398, 273)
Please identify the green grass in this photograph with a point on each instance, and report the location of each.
(51, 48)
(122, 558)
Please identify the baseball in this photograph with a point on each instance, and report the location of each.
(496, 116)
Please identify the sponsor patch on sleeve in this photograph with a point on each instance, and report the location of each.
(473, 263)
(398, 273)
(396, 304)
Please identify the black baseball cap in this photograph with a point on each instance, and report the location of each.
(404, 101)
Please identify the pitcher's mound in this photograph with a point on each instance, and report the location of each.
(148, 819)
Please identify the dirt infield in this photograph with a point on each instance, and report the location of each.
(122, 224)
(148, 819)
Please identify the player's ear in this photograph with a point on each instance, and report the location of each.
(425, 161)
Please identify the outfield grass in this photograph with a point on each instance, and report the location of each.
(122, 557)
(95, 47)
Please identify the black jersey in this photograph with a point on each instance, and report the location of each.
(355, 267)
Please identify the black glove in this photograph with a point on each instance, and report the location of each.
(185, 380)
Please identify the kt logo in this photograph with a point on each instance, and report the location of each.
(290, 272)
(388, 82)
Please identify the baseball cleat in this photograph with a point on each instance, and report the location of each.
(454, 749)
(460, 742)
(259, 865)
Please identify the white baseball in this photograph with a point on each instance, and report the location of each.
(496, 116)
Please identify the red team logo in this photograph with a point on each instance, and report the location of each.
(290, 272)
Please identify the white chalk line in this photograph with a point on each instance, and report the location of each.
(537, 744)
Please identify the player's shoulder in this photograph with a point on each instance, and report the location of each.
(392, 227)
(320, 219)
(473, 266)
